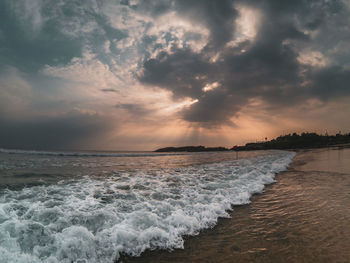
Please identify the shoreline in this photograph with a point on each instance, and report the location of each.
(245, 238)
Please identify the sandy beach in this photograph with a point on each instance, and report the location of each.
(303, 217)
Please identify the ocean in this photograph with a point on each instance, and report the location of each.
(96, 207)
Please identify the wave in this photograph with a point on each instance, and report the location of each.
(92, 220)
(87, 154)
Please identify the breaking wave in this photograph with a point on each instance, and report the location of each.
(95, 220)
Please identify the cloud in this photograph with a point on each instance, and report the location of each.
(109, 90)
(15, 92)
(71, 130)
(137, 110)
(272, 66)
(156, 63)
(331, 82)
(26, 49)
(39, 33)
(32, 119)
(217, 16)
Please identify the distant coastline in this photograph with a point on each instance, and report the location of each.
(284, 142)
(192, 149)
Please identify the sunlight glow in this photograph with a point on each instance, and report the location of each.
(211, 86)
(178, 106)
(312, 58)
(246, 26)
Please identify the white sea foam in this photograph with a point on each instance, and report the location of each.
(94, 220)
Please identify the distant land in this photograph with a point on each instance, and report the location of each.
(192, 149)
(284, 142)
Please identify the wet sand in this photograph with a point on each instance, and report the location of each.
(303, 217)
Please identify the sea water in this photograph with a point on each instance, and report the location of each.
(92, 207)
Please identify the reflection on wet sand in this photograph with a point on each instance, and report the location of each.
(304, 217)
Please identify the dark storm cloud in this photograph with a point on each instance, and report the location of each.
(212, 108)
(26, 49)
(268, 68)
(179, 72)
(331, 81)
(152, 8)
(72, 130)
(51, 32)
(218, 16)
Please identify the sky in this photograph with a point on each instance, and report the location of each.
(139, 75)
